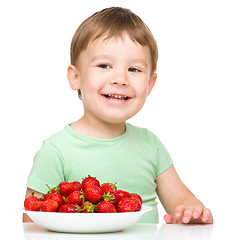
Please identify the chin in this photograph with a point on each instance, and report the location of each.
(116, 120)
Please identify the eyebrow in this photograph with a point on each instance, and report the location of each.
(141, 61)
(97, 57)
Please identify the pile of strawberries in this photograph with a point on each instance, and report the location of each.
(85, 197)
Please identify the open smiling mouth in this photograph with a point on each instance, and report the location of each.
(116, 97)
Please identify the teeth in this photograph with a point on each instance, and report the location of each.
(117, 97)
(116, 100)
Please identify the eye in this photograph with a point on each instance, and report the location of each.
(132, 69)
(105, 66)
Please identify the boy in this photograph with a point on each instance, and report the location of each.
(113, 63)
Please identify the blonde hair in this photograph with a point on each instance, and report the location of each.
(112, 22)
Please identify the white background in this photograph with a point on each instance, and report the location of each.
(187, 109)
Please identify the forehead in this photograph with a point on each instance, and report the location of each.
(106, 38)
(117, 45)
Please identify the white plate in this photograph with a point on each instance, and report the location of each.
(86, 222)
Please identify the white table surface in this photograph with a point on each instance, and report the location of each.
(31, 231)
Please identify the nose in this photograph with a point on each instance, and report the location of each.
(120, 78)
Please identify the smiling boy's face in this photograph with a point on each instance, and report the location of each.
(114, 77)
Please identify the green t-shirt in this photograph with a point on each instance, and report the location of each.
(133, 160)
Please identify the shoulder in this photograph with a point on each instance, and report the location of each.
(56, 141)
(140, 132)
(145, 136)
(59, 136)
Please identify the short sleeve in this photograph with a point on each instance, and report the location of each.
(48, 168)
(164, 160)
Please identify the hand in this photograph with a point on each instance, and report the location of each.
(190, 214)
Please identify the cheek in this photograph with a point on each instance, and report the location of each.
(88, 83)
(142, 89)
(90, 91)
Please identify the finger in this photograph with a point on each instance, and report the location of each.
(197, 212)
(179, 211)
(207, 216)
(187, 214)
(169, 219)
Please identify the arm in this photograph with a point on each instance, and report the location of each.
(179, 202)
(29, 191)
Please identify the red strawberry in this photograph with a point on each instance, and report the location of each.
(127, 205)
(91, 180)
(106, 207)
(139, 207)
(93, 193)
(88, 207)
(58, 198)
(66, 188)
(123, 194)
(111, 196)
(113, 185)
(77, 185)
(45, 197)
(75, 197)
(106, 187)
(49, 205)
(32, 203)
(137, 196)
(69, 208)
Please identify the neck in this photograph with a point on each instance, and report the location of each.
(98, 129)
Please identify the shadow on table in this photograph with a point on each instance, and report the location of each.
(185, 231)
(34, 232)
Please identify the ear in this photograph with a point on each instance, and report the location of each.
(152, 81)
(73, 77)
